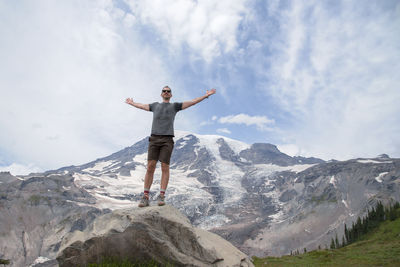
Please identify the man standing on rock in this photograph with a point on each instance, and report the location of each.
(161, 141)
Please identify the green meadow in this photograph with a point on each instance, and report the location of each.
(381, 247)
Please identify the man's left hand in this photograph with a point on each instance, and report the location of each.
(211, 92)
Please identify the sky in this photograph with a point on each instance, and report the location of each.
(315, 78)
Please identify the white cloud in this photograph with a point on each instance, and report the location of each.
(65, 71)
(208, 28)
(224, 131)
(262, 122)
(20, 169)
(205, 123)
(209, 122)
(289, 149)
(330, 71)
(334, 70)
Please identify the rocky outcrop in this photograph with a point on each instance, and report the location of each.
(160, 234)
(37, 212)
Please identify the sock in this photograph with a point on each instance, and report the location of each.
(162, 191)
(146, 192)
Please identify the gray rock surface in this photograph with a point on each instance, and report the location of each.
(313, 205)
(37, 212)
(6, 177)
(162, 234)
(267, 153)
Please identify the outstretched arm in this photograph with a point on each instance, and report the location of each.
(187, 104)
(137, 105)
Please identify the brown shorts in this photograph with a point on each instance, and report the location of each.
(160, 148)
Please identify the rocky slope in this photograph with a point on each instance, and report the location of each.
(36, 214)
(311, 206)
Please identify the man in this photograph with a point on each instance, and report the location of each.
(161, 141)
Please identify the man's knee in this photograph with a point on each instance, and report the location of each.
(164, 167)
(151, 165)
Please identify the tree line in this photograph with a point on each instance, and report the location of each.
(366, 224)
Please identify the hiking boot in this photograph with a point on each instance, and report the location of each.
(144, 202)
(161, 200)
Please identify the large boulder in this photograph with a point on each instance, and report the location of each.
(160, 234)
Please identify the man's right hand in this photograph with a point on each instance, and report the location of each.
(137, 105)
(129, 101)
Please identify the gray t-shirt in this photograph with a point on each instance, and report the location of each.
(163, 117)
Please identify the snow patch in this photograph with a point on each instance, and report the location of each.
(372, 161)
(141, 158)
(271, 168)
(100, 166)
(235, 145)
(105, 202)
(227, 173)
(347, 207)
(39, 260)
(182, 144)
(333, 181)
(379, 177)
(214, 221)
(300, 168)
(345, 203)
(276, 218)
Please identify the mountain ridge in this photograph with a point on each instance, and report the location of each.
(258, 147)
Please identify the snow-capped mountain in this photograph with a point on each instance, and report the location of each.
(207, 177)
(263, 201)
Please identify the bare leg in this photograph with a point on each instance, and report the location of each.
(148, 179)
(164, 176)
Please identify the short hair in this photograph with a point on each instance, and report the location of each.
(166, 87)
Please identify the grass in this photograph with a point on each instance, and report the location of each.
(378, 248)
(4, 262)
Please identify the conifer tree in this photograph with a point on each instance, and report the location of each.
(358, 228)
(364, 225)
(337, 245)
(352, 232)
(346, 232)
(380, 212)
(393, 211)
(387, 211)
(332, 244)
(374, 217)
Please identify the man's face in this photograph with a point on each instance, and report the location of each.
(166, 93)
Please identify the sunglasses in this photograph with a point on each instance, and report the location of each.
(166, 91)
